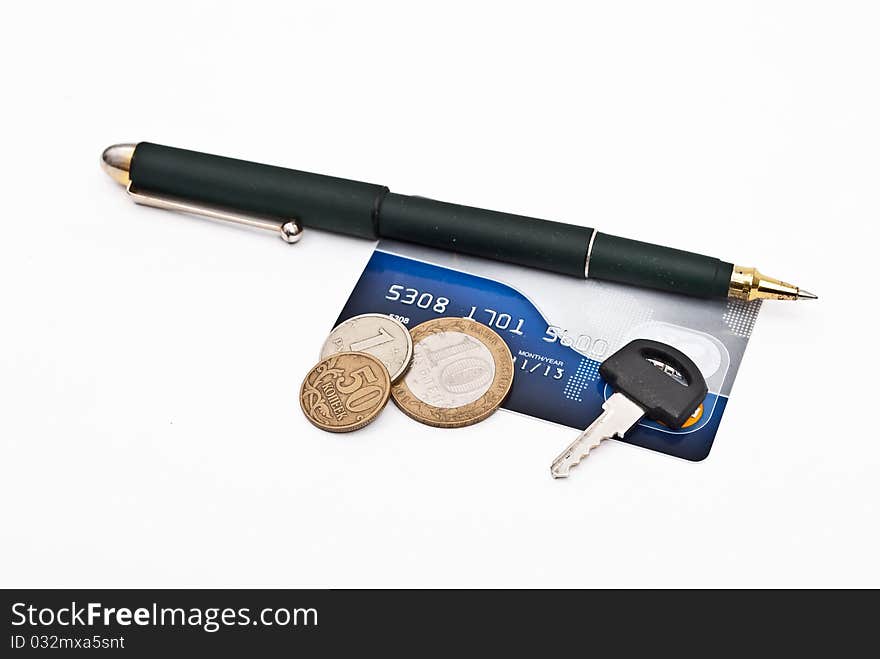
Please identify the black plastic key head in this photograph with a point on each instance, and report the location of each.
(668, 398)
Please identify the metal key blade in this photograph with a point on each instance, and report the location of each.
(620, 415)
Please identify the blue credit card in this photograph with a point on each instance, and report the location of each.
(557, 347)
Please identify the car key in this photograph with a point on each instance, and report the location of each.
(649, 379)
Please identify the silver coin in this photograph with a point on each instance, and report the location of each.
(450, 369)
(461, 373)
(385, 338)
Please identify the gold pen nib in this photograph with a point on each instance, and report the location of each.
(116, 161)
(749, 284)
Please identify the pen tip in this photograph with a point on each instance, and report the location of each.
(116, 161)
(749, 284)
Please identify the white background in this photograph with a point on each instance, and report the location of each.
(150, 362)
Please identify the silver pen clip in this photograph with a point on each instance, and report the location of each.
(289, 229)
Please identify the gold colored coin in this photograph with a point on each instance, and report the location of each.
(345, 391)
(461, 373)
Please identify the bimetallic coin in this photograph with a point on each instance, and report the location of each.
(461, 373)
(345, 391)
(383, 337)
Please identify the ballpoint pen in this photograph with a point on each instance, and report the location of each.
(286, 200)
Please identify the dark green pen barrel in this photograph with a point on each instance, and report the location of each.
(371, 211)
(516, 239)
(654, 266)
(323, 202)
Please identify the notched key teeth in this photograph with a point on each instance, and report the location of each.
(562, 466)
(563, 470)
